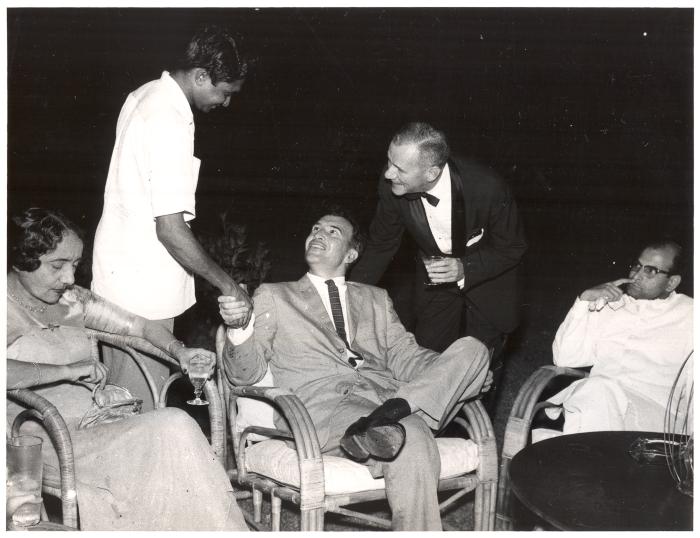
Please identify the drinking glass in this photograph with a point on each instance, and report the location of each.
(23, 484)
(198, 373)
(427, 262)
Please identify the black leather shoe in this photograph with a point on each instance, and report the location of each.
(380, 441)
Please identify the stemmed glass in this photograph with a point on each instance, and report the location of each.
(198, 372)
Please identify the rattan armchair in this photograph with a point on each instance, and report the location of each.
(301, 475)
(41, 410)
(531, 399)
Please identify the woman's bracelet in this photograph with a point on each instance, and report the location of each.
(179, 342)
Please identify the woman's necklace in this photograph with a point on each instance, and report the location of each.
(35, 309)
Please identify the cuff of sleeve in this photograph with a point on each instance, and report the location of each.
(238, 336)
(461, 283)
(580, 301)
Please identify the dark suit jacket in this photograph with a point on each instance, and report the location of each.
(489, 264)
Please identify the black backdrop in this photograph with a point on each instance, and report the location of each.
(587, 112)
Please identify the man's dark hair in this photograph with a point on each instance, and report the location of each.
(678, 263)
(431, 142)
(33, 233)
(216, 50)
(357, 240)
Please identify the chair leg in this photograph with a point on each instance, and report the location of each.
(484, 506)
(257, 505)
(276, 508)
(504, 521)
(312, 519)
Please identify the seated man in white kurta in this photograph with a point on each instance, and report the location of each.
(636, 340)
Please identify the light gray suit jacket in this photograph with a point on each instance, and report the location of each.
(295, 335)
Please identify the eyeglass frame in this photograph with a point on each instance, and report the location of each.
(649, 271)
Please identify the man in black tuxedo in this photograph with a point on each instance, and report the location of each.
(457, 209)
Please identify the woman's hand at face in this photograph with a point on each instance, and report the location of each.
(88, 370)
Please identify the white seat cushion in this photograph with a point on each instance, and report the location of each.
(540, 434)
(276, 460)
(254, 412)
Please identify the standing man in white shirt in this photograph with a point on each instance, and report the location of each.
(145, 255)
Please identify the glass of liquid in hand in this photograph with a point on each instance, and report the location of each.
(198, 372)
(428, 261)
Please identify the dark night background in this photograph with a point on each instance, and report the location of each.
(587, 113)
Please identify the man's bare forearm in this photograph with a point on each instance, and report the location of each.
(182, 245)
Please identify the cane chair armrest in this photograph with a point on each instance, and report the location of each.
(527, 402)
(60, 437)
(134, 343)
(302, 433)
(517, 433)
(480, 429)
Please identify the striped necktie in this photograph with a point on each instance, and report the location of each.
(338, 321)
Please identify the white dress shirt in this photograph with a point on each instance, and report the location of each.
(440, 216)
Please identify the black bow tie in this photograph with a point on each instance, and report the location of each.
(432, 200)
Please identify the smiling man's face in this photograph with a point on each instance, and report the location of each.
(328, 250)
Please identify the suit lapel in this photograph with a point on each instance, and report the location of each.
(458, 219)
(313, 305)
(418, 223)
(353, 300)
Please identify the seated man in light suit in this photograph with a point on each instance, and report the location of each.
(373, 394)
(636, 332)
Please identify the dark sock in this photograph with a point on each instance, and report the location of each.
(379, 434)
(392, 410)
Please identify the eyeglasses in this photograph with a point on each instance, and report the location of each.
(648, 270)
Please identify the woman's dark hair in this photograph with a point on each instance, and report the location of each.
(33, 233)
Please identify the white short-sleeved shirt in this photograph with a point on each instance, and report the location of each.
(153, 172)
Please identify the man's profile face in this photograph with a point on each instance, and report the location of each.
(652, 287)
(208, 96)
(327, 247)
(405, 170)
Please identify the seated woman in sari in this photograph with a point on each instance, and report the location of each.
(153, 471)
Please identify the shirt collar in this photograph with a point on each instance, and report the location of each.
(443, 187)
(178, 96)
(319, 281)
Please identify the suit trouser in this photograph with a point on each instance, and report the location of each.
(435, 390)
(442, 316)
(123, 371)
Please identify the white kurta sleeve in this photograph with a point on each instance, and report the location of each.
(576, 339)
